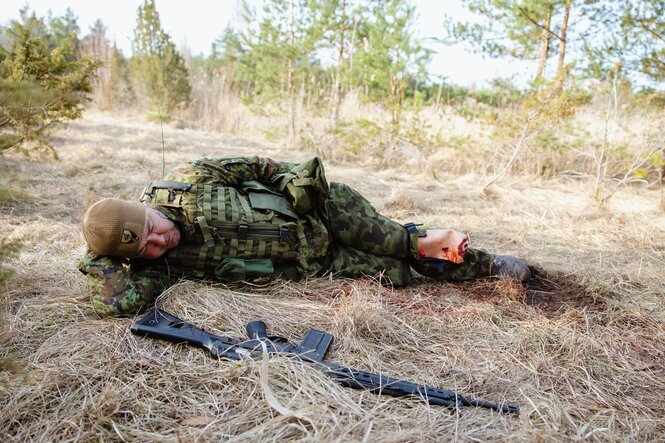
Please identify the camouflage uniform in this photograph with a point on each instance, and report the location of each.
(345, 235)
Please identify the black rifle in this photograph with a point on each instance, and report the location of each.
(164, 326)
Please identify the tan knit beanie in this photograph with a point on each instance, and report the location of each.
(114, 227)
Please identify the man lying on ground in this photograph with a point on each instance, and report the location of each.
(254, 219)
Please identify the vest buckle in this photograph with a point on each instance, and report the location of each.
(243, 229)
(284, 234)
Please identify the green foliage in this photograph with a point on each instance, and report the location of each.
(390, 56)
(40, 88)
(9, 249)
(654, 166)
(157, 115)
(535, 129)
(12, 196)
(119, 82)
(519, 21)
(273, 133)
(52, 30)
(459, 142)
(553, 103)
(227, 56)
(649, 98)
(452, 94)
(297, 52)
(227, 49)
(641, 173)
(502, 93)
(274, 57)
(548, 140)
(611, 32)
(64, 28)
(630, 34)
(367, 137)
(112, 85)
(158, 69)
(418, 131)
(360, 135)
(514, 28)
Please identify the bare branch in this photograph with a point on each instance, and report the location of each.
(532, 20)
(518, 148)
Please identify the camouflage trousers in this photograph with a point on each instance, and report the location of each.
(367, 243)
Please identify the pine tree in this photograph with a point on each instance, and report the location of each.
(279, 57)
(339, 23)
(158, 69)
(389, 56)
(96, 45)
(227, 50)
(631, 34)
(522, 29)
(120, 83)
(40, 88)
(112, 86)
(611, 31)
(61, 28)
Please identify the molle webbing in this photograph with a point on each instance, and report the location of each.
(167, 184)
(170, 186)
(203, 258)
(222, 224)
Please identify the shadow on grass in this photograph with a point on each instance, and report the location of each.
(555, 293)
(552, 294)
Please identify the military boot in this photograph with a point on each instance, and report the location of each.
(509, 266)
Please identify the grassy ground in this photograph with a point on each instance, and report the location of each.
(581, 349)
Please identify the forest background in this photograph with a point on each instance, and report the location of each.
(575, 154)
(351, 80)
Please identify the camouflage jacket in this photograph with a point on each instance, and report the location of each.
(121, 286)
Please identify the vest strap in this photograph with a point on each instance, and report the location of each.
(306, 181)
(247, 211)
(205, 230)
(283, 179)
(222, 194)
(207, 200)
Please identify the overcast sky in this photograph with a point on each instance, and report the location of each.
(197, 23)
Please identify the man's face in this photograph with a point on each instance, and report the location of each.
(159, 235)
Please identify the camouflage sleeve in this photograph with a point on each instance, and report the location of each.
(117, 288)
(229, 171)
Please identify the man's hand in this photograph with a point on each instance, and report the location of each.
(444, 244)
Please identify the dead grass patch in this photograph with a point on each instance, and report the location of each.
(580, 349)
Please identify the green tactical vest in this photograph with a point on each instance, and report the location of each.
(231, 234)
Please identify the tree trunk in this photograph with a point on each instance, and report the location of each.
(396, 96)
(545, 36)
(290, 82)
(340, 60)
(396, 89)
(292, 103)
(661, 170)
(562, 43)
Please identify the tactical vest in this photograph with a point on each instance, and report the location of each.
(229, 233)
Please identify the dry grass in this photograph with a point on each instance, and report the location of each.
(581, 349)
(446, 141)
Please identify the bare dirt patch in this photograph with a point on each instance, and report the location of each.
(555, 293)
